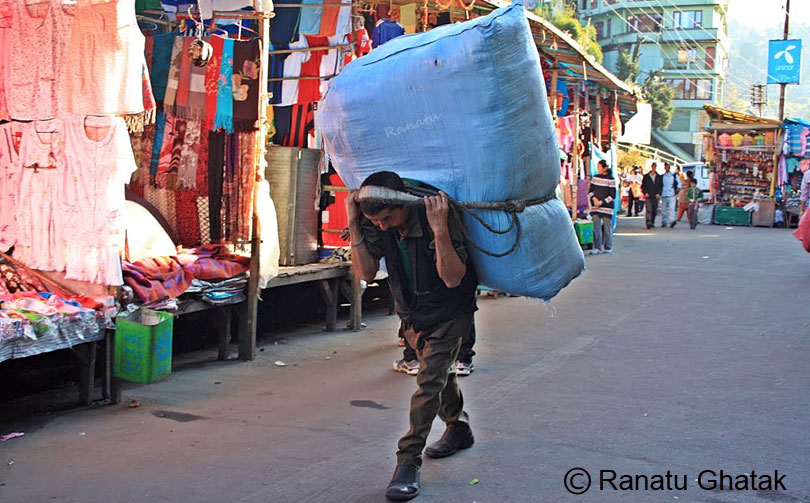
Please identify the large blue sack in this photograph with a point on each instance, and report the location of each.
(463, 107)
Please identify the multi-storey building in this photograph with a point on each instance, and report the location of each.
(687, 40)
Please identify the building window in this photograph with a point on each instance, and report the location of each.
(691, 89)
(710, 55)
(599, 26)
(704, 89)
(644, 23)
(594, 4)
(602, 29)
(611, 2)
(688, 19)
(584, 4)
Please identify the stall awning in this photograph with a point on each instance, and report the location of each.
(730, 117)
(576, 63)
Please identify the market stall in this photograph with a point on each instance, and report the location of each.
(794, 161)
(742, 151)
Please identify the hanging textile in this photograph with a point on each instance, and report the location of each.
(184, 84)
(216, 166)
(284, 27)
(292, 70)
(224, 117)
(6, 20)
(10, 137)
(563, 100)
(246, 85)
(276, 71)
(93, 202)
(329, 18)
(302, 123)
(161, 62)
(42, 158)
(309, 89)
(157, 144)
(385, 31)
(212, 81)
(35, 49)
(173, 82)
(311, 18)
(565, 132)
(282, 120)
(187, 168)
(196, 93)
(104, 60)
(188, 220)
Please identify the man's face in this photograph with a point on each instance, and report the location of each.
(390, 218)
(666, 168)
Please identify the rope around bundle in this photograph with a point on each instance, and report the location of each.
(414, 196)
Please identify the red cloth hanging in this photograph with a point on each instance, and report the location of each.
(309, 90)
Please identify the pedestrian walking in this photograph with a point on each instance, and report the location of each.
(693, 196)
(602, 196)
(651, 186)
(669, 192)
(422, 245)
(634, 201)
(683, 204)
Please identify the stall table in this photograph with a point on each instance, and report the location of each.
(329, 277)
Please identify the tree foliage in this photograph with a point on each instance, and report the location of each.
(563, 15)
(659, 95)
(627, 66)
(630, 158)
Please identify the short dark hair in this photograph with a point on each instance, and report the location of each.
(387, 179)
(692, 180)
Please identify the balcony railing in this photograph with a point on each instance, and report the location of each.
(695, 64)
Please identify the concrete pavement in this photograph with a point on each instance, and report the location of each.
(683, 351)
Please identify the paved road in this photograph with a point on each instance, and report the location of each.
(683, 351)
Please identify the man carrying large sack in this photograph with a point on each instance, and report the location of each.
(433, 284)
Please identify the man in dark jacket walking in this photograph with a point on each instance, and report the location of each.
(433, 284)
(652, 185)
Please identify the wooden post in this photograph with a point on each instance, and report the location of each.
(552, 95)
(575, 161)
(357, 303)
(329, 289)
(86, 354)
(247, 338)
(597, 138)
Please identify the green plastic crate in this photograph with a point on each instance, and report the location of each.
(729, 215)
(143, 346)
(584, 230)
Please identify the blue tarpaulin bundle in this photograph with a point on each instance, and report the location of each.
(463, 108)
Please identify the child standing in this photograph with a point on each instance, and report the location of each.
(693, 198)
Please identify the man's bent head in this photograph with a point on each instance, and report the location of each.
(385, 215)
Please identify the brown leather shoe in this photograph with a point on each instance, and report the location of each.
(455, 437)
(404, 484)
